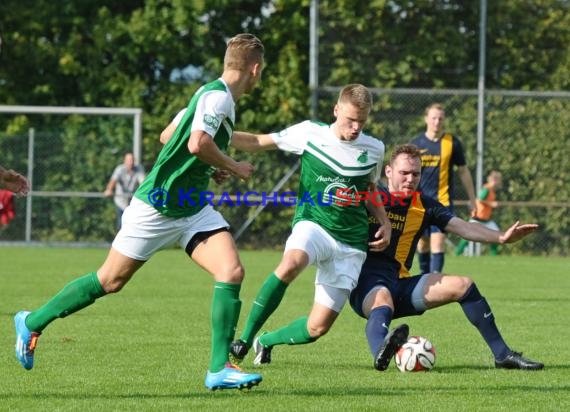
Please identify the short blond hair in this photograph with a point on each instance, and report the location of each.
(437, 106)
(243, 50)
(357, 95)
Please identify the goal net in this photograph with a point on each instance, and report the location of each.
(68, 154)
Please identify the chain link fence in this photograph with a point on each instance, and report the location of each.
(68, 158)
(526, 138)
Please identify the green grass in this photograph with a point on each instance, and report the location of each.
(147, 348)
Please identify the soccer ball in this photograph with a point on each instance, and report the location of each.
(417, 354)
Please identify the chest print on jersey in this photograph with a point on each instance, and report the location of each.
(363, 156)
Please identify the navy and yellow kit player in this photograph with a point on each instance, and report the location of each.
(442, 155)
(385, 289)
(439, 158)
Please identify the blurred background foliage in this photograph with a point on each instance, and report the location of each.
(154, 54)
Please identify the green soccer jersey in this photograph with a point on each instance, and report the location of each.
(332, 173)
(174, 184)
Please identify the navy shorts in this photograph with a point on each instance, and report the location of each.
(432, 229)
(400, 288)
(402, 297)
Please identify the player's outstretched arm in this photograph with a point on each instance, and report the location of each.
(202, 145)
(517, 231)
(250, 142)
(479, 233)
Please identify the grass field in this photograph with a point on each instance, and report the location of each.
(147, 348)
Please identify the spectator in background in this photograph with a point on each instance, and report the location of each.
(440, 152)
(486, 203)
(6, 207)
(13, 181)
(10, 182)
(125, 180)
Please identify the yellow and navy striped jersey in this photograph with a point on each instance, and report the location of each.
(438, 160)
(409, 217)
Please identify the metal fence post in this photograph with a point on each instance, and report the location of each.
(31, 142)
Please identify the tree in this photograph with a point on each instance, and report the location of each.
(154, 54)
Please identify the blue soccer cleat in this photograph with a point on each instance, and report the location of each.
(231, 377)
(26, 340)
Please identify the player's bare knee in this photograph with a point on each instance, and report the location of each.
(461, 285)
(317, 331)
(288, 270)
(113, 284)
(233, 274)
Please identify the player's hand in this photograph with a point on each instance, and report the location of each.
(517, 231)
(14, 182)
(243, 170)
(383, 235)
(221, 175)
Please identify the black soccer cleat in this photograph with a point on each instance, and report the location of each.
(392, 342)
(262, 353)
(515, 360)
(238, 351)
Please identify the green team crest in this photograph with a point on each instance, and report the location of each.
(363, 157)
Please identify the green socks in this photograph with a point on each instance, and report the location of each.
(74, 296)
(267, 300)
(83, 291)
(295, 333)
(224, 316)
(493, 248)
(461, 247)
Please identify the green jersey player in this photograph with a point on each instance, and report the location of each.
(338, 163)
(163, 212)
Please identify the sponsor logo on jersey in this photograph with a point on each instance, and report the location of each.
(335, 179)
(211, 121)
